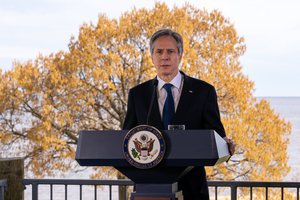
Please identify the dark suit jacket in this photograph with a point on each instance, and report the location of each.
(197, 109)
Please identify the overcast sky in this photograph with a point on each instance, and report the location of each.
(271, 29)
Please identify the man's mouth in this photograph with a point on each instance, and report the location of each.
(165, 65)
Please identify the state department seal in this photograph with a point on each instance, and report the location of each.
(144, 146)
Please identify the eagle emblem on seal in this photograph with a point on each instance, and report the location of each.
(143, 147)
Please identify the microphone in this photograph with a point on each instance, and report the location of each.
(152, 99)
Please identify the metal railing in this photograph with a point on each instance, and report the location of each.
(3, 185)
(79, 182)
(234, 186)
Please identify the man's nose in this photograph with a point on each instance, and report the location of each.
(165, 55)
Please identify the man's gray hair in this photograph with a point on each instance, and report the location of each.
(167, 32)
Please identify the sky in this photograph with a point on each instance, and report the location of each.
(271, 29)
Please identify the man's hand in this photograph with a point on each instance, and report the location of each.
(231, 145)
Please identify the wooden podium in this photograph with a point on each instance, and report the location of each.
(184, 149)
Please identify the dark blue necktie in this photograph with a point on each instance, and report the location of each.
(169, 108)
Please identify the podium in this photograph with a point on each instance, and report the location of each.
(184, 149)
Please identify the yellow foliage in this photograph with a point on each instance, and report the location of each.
(44, 103)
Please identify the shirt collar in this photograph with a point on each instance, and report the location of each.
(176, 81)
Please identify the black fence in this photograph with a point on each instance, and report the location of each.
(264, 187)
(236, 188)
(96, 184)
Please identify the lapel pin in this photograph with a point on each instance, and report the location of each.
(191, 91)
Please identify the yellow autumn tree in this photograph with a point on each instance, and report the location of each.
(45, 102)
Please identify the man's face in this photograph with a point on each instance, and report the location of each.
(165, 57)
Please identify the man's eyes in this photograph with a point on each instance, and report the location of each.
(169, 51)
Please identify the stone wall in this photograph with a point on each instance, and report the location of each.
(12, 169)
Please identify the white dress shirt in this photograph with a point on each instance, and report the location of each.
(177, 83)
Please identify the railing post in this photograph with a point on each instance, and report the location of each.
(110, 193)
(124, 192)
(3, 185)
(35, 191)
(12, 169)
(2, 193)
(233, 192)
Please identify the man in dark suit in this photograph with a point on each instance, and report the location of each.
(173, 98)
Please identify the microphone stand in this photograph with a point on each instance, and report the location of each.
(152, 100)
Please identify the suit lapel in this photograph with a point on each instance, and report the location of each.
(185, 101)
